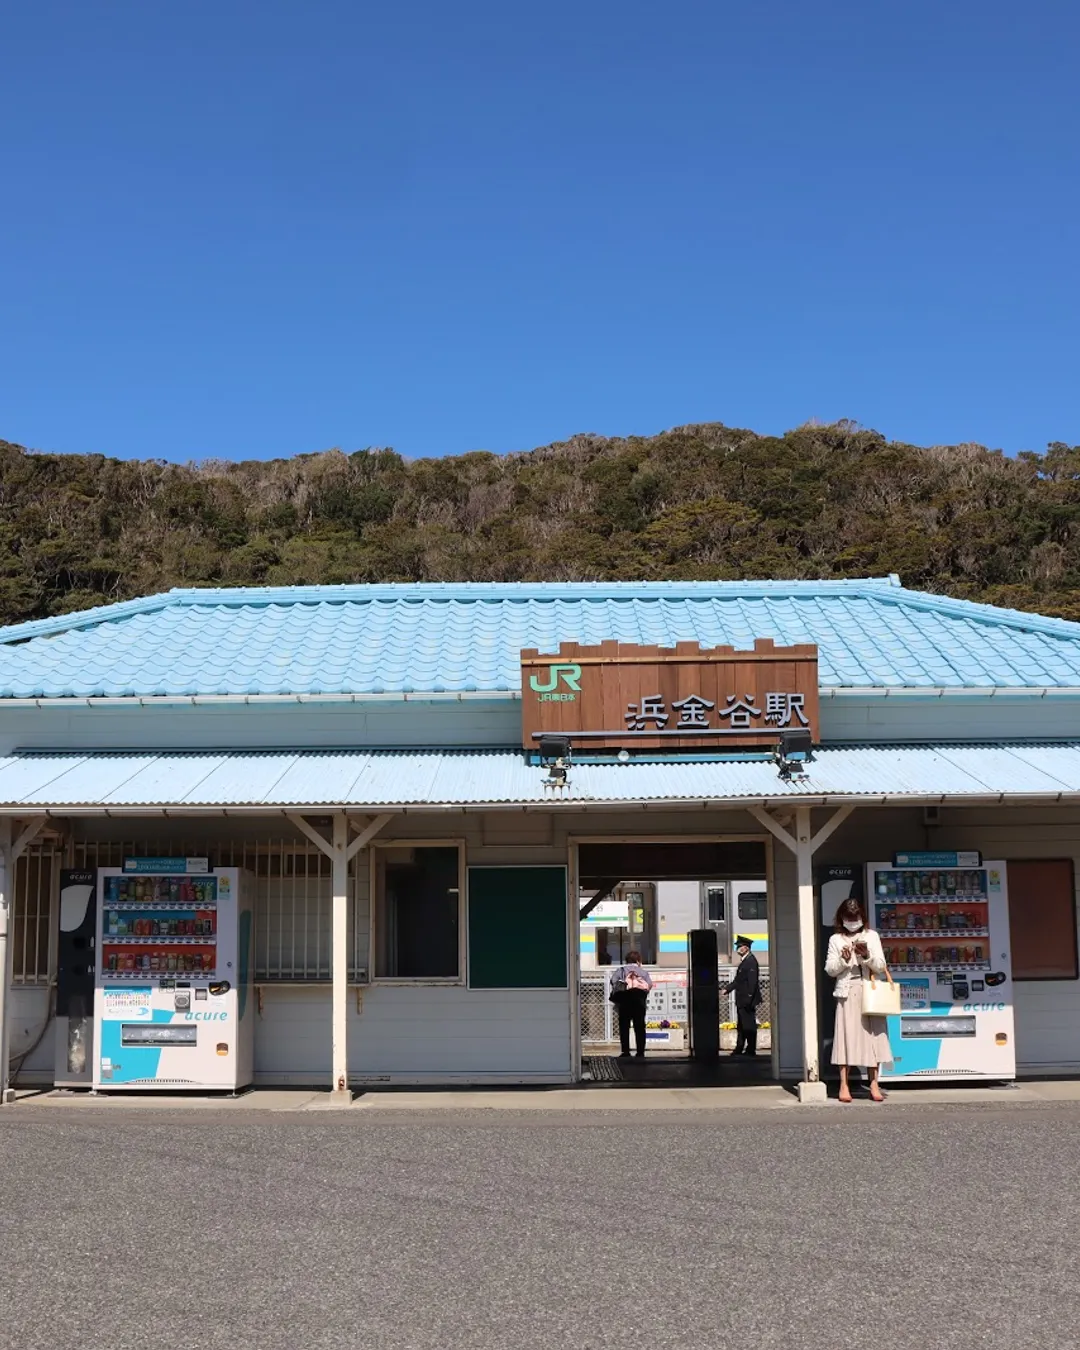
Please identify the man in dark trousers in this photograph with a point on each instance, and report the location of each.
(746, 987)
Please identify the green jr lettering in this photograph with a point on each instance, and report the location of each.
(568, 675)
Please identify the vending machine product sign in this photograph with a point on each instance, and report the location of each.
(943, 920)
(173, 990)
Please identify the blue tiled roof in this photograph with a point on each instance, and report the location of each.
(418, 639)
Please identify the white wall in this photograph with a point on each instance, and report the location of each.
(338, 726)
(431, 1033)
(954, 717)
(447, 1033)
(1047, 1011)
(421, 1032)
(474, 723)
(28, 1009)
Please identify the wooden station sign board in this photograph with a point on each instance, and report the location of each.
(618, 695)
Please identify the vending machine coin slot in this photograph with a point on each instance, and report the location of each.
(182, 1000)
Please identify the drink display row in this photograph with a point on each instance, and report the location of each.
(971, 954)
(904, 884)
(118, 923)
(161, 890)
(160, 963)
(924, 918)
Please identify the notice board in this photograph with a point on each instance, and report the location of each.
(1042, 919)
(529, 903)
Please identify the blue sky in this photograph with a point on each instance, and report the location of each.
(253, 228)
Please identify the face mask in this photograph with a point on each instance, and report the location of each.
(852, 925)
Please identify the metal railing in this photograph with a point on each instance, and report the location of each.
(668, 1000)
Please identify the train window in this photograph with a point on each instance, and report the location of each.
(753, 905)
(714, 904)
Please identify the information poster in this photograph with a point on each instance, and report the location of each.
(127, 1005)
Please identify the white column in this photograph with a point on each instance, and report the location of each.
(804, 845)
(339, 958)
(811, 1088)
(6, 956)
(340, 852)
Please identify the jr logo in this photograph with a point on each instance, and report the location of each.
(570, 675)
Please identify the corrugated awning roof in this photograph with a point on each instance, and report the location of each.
(203, 782)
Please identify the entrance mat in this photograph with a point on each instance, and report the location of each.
(601, 1069)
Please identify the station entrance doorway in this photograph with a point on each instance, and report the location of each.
(648, 895)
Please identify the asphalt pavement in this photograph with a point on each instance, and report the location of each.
(829, 1228)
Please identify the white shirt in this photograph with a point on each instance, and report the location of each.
(844, 971)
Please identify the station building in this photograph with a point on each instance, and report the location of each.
(373, 755)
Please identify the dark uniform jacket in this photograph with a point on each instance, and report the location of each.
(746, 986)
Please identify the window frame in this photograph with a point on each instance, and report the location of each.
(757, 897)
(1075, 940)
(459, 980)
(33, 914)
(707, 888)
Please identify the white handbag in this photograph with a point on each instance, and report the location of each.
(881, 998)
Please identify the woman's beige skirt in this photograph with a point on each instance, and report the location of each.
(858, 1039)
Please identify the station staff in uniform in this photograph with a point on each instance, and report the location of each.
(746, 986)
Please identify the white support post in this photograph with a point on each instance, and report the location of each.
(339, 958)
(6, 954)
(811, 1088)
(366, 835)
(804, 845)
(340, 852)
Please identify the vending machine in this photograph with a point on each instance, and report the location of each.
(943, 919)
(173, 995)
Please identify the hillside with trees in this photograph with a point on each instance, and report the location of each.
(702, 502)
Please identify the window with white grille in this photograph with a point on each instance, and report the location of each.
(35, 881)
(293, 898)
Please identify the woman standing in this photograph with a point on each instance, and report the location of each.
(630, 1000)
(853, 950)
